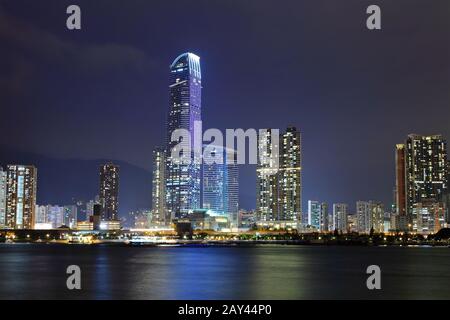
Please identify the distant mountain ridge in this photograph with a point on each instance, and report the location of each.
(60, 181)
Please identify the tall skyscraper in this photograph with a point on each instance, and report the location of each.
(279, 190)
(221, 183)
(290, 182)
(21, 182)
(232, 178)
(426, 168)
(400, 179)
(267, 187)
(370, 215)
(159, 211)
(324, 217)
(314, 212)
(183, 179)
(2, 198)
(340, 217)
(446, 198)
(421, 175)
(109, 191)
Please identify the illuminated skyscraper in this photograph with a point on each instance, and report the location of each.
(400, 179)
(324, 217)
(279, 188)
(421, 176)
(370, 215)
(109, 191)
(183, 179)
(291, 178)
(21, 196)
(2, 197)
(340, 217)
(314, 212)
(159, 211)
(426, 169)
(221, 183)
(267, 175)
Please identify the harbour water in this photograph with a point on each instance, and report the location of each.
(38, 271)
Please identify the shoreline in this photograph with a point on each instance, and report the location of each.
(237, 243)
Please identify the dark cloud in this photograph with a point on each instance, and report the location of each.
(93, 58)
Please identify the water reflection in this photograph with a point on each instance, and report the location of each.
(264, 272)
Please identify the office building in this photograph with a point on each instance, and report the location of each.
(183, 179)
(221, 183)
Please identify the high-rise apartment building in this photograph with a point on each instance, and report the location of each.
(340, 217)
(21, 184)
(267, 176)
(429, 216)
(314, 212)
(70, 216)
(183, 179)
(421, 175)
(109, 191)
(279, 188)
(370, 215)
(324, 217)
(159, 211)
(2, 198)
(400, 179)
(290, 174)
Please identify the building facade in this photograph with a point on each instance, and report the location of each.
(21, 185)
(70, 216)
(400, 187)
(340, 221)
(184, 178)
(429, 216)
(159, 211)
(267, 176)
(314, 213)
(426, 169)
(221, 183)
(2, 198)
(279, 188)
(324, 217)
(109, 191)
(370, 215)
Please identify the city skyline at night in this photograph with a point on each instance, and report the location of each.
(224, 158)
(362, 96)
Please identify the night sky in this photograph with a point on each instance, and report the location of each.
(101, 92)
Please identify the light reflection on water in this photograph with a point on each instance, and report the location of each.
(262, 272)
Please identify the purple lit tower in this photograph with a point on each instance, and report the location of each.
(183, 180)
